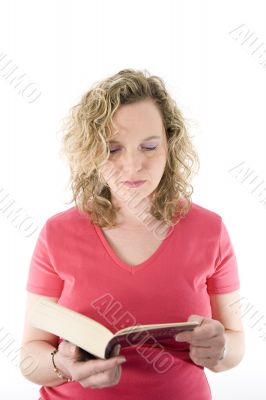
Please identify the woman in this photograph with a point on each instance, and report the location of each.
(135, 237)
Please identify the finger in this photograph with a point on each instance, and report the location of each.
(117, 373)
(207, 362)
(205, 332)
(107, 377)
(187, 336)
(93, 367)
(204, 352)
(200, 334)
(102, 377)
(96, 382)
(214, 342)
(116, 350)
(97, 366)
(196, 318)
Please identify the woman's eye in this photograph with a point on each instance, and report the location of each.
(146, 148)
(150, 148)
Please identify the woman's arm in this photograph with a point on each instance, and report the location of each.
(36, 360)
(36, 347)
(40, 368)
(226, 309)
(223, 330)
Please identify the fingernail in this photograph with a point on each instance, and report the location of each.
(122, 359)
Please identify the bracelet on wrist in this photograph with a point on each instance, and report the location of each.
(56, 370)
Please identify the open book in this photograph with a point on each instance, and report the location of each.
(93, 339)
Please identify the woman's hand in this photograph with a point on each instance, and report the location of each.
(96, 373)
(207, 341)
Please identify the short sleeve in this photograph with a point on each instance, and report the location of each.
(43, 279)
(225, 278)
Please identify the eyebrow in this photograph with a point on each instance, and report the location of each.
(148, 138)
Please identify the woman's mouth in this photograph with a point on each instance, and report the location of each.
(133, 183)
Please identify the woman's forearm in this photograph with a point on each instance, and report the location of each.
(36, 363)
(234, 351)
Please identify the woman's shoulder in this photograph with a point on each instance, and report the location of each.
(203, 218)
(203, 212)
(69, 219)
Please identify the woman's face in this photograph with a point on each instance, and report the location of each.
(139, 149)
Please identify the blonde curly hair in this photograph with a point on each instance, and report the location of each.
(86, 131)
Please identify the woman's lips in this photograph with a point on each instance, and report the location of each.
(133, 183)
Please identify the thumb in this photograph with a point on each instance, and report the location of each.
(183, 336)
(195, 318)
(116, 350)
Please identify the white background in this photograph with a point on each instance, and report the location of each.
(64, 47)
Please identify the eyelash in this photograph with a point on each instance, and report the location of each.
(146, 148)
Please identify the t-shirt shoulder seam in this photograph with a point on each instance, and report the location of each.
(205, 210)
(61, 214)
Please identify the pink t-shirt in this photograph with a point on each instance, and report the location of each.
(73, 261)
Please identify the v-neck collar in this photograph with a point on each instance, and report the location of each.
(132, 268)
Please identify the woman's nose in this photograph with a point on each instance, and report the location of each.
(132, 160)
